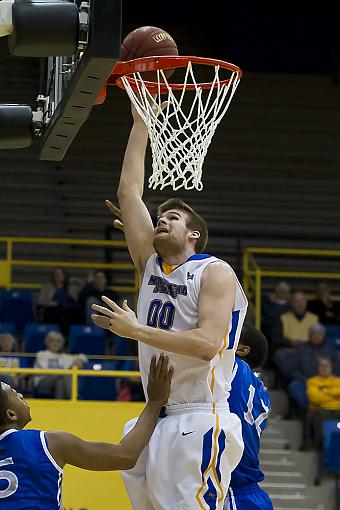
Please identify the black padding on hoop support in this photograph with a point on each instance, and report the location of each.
(16, 126)
(91, 74)
(42, 29)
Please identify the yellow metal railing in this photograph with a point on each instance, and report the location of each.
(8, 262)
(254, 274)
(73, 372)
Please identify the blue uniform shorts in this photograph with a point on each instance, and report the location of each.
(248, 497)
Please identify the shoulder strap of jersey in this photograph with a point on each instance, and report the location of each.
(47, 452)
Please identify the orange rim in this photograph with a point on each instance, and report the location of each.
(144, 64)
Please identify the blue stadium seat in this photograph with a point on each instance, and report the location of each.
(121, 346)
(331, 445)
(16, 306)
(333, 335)
(7, 327)
(34, 336)
(98, 388)
(87, 339)
(285, 362)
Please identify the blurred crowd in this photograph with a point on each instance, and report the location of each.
(64, 302)
(304, 337)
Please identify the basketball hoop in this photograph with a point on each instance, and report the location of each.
(180, 130)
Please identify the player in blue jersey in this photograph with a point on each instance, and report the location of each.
(32, 461)
(250, 400)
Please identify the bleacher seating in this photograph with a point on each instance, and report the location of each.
(16, 306)
(34, 336)
(121, 346)
(333, 335)
(98, 388)
(87, 339)
(331, 445)
(7, 327)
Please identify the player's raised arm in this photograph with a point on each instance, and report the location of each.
(136, 218)
(69, 449)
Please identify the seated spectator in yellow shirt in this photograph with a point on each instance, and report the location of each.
(323, 392)
(324, 389)
(296, 324)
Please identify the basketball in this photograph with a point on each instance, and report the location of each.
(147, 42)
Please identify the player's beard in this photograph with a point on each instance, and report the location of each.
(167, 246)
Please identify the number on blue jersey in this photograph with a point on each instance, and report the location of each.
(248, 416)
(10, 478)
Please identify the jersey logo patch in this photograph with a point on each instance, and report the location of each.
(187, 433)
(190, 276)
(162, 286)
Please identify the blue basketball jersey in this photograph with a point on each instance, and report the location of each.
(250, 400)
(29, 476)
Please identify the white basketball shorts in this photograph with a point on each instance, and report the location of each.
(189, 459)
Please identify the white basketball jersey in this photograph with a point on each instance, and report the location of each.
(170, 302)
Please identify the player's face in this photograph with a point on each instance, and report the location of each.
(171, 233)
(17, 406)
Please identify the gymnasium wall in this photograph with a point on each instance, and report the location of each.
(92, 421)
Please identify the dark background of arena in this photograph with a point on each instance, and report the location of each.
(271, 175)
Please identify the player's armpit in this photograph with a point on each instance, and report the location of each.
(215, 304)
(66, 448)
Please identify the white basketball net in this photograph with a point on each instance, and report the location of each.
(180, 137)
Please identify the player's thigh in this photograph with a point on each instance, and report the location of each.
(135, 479)
(189, 458)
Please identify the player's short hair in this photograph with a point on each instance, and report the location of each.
(3, 405)
(194, 222)
(257, 343)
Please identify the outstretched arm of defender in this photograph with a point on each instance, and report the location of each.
(135, 216)
(215, 306)
(69, 449)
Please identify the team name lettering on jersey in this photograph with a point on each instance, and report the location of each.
(162, 286)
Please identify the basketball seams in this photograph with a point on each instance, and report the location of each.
(142, 43)
(130, 41)
(148, 41)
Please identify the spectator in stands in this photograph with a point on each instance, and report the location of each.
(296, 323)
(274, 305)
(55, 386)
(323, 306)
(92, 293)
(7, 342)
(9, 360)
(298, 365)
(323, 392)
(55, 303)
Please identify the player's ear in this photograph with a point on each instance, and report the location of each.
(242, 350)
(195, 234)
(11, 415)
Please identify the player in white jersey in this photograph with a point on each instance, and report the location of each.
(192, 307)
